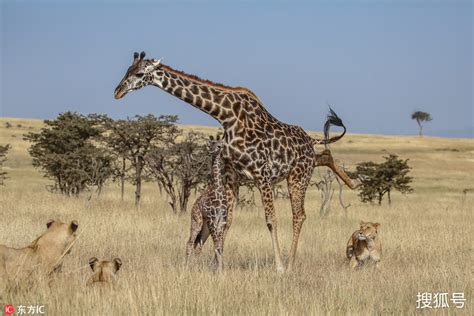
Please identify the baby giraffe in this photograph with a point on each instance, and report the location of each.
(209, 212)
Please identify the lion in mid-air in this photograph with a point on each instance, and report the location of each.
(364, 245)
(104, 271)
(43, 255)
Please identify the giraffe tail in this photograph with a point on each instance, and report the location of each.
(332, 119)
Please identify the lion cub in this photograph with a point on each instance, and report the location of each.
(364, 244)
(104, 271)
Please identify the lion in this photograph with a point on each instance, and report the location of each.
(43, 255)
(104, 271)
(364, 244)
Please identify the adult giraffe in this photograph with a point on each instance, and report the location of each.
(257, 145)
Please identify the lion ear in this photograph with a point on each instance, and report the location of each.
(376, 225)
(92, 262)
(49, 223)
(117, 264)
(362, 223)
(74, 226)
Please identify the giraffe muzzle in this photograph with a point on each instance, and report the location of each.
(118, 94)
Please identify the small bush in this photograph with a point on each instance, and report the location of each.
(380, 179)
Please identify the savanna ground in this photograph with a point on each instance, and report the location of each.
(426, 238)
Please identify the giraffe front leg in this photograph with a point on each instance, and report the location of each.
(231, 194)
(216, 220)
(270, 217)
(218, 239)
(297, 185)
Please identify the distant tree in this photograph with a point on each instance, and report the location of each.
(279, 191)
(327, 192)
(133, 139)
(65, 151)
(117, 147)
(247, 199)
(179, 167)
(325, 187)
(421, 118)
(383, 178)
(3, 157)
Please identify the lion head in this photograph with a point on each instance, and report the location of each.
(359, 235)
(56, 242)
(103, 270)
(369, 230)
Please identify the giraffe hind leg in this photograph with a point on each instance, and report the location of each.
(201, 239)
(297, 185)
(196, 232)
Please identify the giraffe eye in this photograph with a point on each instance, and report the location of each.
(139, 75)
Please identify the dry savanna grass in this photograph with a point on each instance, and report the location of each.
(426, 238)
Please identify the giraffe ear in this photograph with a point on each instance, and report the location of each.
(142, 55)
(156, 62)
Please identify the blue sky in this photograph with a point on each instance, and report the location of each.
(375, 62)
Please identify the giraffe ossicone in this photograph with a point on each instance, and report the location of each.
(257, 146)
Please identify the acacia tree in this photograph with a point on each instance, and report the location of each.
(65, 151)
(380, 179)
(133, 139)
(3, 157)
(180, 166)
(421, 118)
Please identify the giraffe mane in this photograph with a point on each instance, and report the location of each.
(209, 82)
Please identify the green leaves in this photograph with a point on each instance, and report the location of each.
(66, 152)
(380, 179)
(420, 118)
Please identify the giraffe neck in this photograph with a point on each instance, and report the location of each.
(202, 94)
(216, 172)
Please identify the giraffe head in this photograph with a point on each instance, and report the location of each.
(215, 145)
(138, 75)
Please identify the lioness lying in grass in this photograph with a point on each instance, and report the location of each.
(43, 255)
